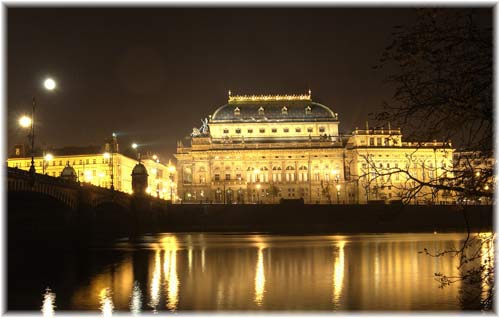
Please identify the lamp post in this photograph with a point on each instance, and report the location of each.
(47, 158)
(171, 170)
(26, 122)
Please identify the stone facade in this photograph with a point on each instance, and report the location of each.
(261, 149)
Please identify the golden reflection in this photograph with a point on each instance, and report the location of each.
(487, 262)
(136, 299)
(49, 299)
(338, 274)
(155, 281)
(190, 259)
(106, 303)
(260, 278)
(170, 246)
(203, 260)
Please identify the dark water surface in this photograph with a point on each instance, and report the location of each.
(228, 272)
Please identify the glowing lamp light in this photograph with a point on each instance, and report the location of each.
(486, 187)
(48, 157)
(49, 84)
(478, 174)
(171, 169)
(155, 157)
(25, 121)
(258, 186)
(134, 145)
(256, 171)
(148, 190)
(106, 155)
(338, 187)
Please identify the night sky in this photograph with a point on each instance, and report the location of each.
(151, 74)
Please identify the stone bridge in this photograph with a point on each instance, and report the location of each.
(73, 194)
(43, 202)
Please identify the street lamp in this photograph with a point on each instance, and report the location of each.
(27, 122)
(109, 156)
(171, 170)
(47, 158)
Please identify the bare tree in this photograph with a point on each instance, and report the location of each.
(441, 69)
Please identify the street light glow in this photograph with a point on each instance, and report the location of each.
(106, 155)
(49, 157)
(49, 84)
(25, 121)
(134, 145)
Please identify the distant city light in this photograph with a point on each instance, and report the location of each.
(25, 121)
(49, 84)
(114, 134)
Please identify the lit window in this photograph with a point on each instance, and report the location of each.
(228, 176)
(372, 142)
(261, 110)
(379, 141)
(216, 177)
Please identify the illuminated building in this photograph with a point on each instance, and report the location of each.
(260, 149)
(101, 166)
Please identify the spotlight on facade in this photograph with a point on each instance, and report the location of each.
(49, 157)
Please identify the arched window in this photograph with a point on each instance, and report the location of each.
(284, 110)
(237, 111)
(261, 110)
(308, 110)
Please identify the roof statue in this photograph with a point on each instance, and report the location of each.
(202, 131)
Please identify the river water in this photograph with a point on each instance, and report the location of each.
(188, 272)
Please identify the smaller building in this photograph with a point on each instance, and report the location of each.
(104, 166)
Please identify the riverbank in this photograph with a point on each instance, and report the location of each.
(38, 218)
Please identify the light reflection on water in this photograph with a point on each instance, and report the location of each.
(106, 302)
(48, 304)
(266, 272)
